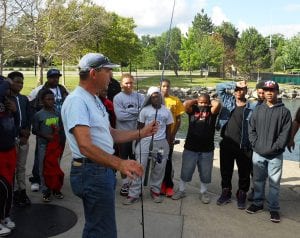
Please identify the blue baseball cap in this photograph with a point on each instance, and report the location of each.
(53, 72)
(95, 61)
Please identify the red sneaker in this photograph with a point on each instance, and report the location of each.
(169, 192)
(163, 188)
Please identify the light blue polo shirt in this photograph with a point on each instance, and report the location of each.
(83, 108)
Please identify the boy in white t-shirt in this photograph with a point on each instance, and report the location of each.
(153, 109)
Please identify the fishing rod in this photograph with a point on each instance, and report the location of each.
(166, 54)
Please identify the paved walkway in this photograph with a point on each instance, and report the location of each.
(189, 218)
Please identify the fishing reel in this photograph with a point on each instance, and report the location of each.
(157, 156)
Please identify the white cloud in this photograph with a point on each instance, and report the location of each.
(241, 26)
(218, 16)
(153, 16)
(288, 30)
(292, 8)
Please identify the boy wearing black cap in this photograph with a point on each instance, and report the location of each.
(269, 130)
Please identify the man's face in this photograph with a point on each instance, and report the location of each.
(101, 78)
(240, 93)
(17, 85)
(48, 101)
(165, 88)
(53, 81)
(203, 101)
(260, 94)
(127, 85)
(271, 95)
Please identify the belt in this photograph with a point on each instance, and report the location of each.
(82, 160)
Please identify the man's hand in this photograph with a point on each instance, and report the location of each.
(149, 129)
(291, 146)
(131, 168)
(241, 84)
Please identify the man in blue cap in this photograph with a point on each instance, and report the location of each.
(60, 93)
(91, 140)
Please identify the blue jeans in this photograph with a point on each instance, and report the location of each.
(204, 162)
(262, 169)
(95, 185)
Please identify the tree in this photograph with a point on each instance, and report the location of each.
(167, 49)
(252, 52)
(121, 43)
(276, 43)
(291, 52)
(9, 10)
(197, 53)
(57, 30)
(147, 59)
(229, 36)
(202, 24)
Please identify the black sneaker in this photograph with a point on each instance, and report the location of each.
(225, 197)
(253, 209)
(275, 217)
(16, 199)
(24, 199)
(241, 199)
(58, 195)
(47, 196)
(124, 190)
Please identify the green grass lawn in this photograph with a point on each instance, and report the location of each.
(146, 80)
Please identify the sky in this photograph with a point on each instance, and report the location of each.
(152, 17)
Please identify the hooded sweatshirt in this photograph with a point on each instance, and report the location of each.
(269, 129)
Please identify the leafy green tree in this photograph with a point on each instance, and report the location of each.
(9, 11)
(252, 52)
(121, 43)
(187, 54)
(202, 24)
(276, 43)
(167, 49)
(228, 36)
(147, 59)
(197, 53)
(291, 52)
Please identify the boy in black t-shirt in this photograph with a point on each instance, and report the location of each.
(199, 144)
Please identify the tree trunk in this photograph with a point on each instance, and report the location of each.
(41, 66)
(176, 71)
(1, 50)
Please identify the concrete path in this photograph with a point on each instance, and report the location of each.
(189, 218)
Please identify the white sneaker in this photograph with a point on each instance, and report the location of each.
(7, 222)
(35, 187)
(178, 195)
(205, 198)
(4, 231)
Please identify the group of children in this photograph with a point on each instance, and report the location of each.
(129, 110)
(16, 121)
(254, 134)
